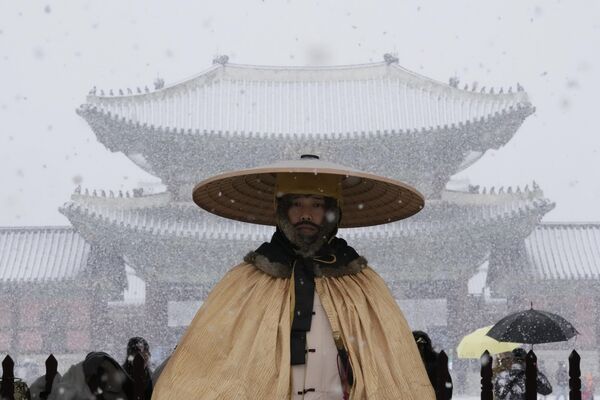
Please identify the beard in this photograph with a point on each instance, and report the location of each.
(307, 245)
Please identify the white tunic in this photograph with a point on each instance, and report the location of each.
(319, 378)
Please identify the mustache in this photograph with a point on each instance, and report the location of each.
(301, 223)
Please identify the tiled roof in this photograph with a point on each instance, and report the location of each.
(558, 251)
(41, 254)
(393, 153)
(308, 101)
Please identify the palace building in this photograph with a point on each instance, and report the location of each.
(375, 117)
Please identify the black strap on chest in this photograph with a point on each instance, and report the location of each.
(304, 287)
(336, 254)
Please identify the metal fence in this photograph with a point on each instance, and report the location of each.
(531, 372)
(7, 385)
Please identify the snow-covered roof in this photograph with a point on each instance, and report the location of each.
(564, 251)
(41, 254)
(158, 215)
(308, 101)
(423, 158)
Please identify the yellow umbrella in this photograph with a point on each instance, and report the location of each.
(475, 343)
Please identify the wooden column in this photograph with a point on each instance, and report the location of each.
(157, 317)
(106, 281)
(459, 313)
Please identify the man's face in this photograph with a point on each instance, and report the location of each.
(306, 214)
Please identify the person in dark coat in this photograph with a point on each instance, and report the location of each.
(509, 384)
(38, 387)
(429, 357)
(98, 377)
(139, 345)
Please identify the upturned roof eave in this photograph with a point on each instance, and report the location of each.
(88, 112)
(131, 137)
(477, 196)
(411, 227)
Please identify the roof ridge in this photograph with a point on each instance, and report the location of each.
(306, 67)
(224, 67)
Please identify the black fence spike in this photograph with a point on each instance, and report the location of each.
(7, 388)
(531, 376)
(139, 378)
(487, 392)
(574, 376)
(443, 380)
(51, 371)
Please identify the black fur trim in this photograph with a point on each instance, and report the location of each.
(274, 269)
(279, 270)
(353, 267)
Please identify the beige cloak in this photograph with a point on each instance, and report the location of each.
(238, 345)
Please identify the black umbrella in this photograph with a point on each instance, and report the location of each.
(532, 327)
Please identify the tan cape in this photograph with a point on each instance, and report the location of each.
(238, 345)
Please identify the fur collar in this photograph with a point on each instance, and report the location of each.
(281, 270)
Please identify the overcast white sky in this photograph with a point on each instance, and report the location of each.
(53, 52)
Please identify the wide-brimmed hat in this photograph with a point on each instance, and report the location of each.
(365, 199)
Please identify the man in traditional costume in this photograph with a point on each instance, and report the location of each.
(303, 317)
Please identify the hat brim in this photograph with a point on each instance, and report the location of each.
(249, 195)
